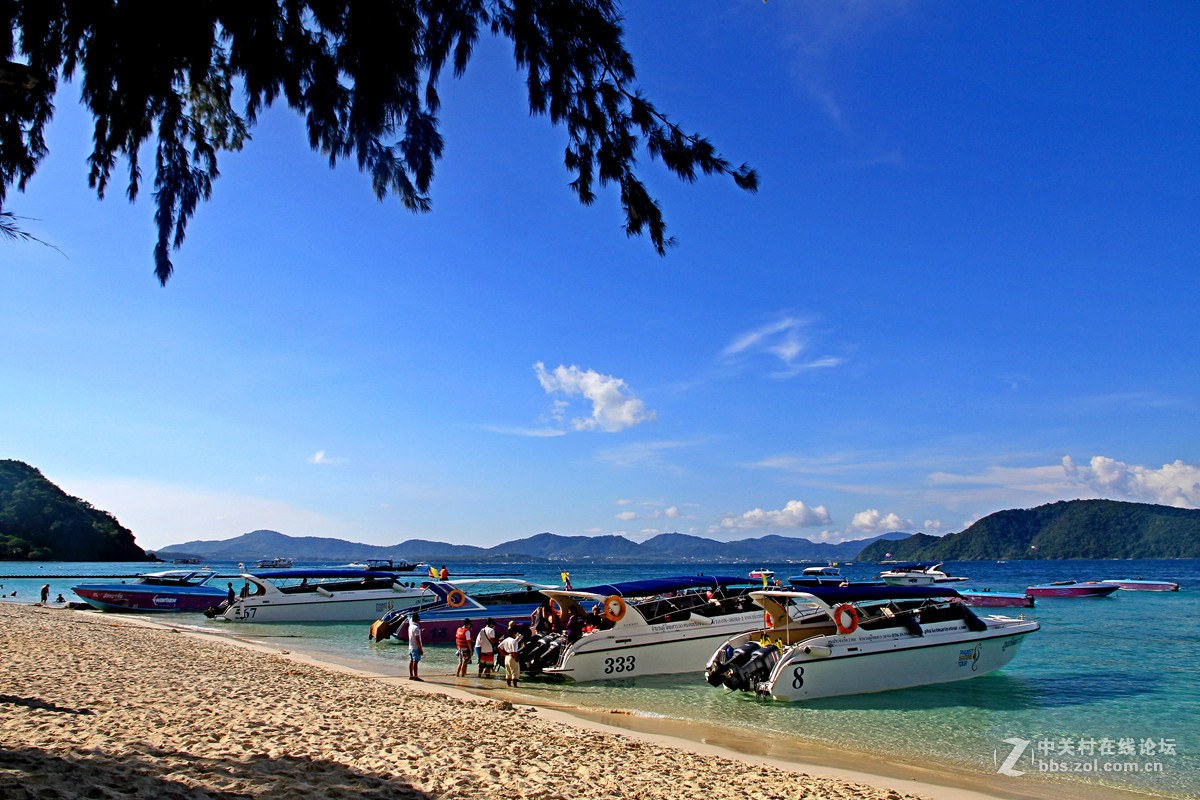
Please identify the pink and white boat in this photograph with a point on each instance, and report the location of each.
(1072, 589)
(988, 598)
(1144, 585)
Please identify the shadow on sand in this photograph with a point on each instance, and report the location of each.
(180, 776)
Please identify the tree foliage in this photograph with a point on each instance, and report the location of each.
(364, 74)
(40, 522)
(1066, 529)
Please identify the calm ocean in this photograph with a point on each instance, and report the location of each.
(1109, 686)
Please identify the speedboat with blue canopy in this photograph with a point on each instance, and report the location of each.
(649, 627)
(320, 595)
(448, 603)
(830, 641)
(175, 590)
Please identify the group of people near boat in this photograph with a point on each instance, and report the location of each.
(487, 649)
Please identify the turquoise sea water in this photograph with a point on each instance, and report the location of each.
(1109, 685)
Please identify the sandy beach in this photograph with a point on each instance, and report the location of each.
(102, 706)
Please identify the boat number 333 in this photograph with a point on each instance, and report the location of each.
(619, 664)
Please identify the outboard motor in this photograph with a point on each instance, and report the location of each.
(745, 674)
(212, 612)
(542, 651)
(726, 659)
(729, 660)
(392, 621)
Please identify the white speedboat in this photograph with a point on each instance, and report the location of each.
(818, 576)
(830, 641)
(321, 595)
(918, 575)
(650, 627)
(282, 562)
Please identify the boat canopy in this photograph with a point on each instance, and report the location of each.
(318, 573)
(832, 595)
(651, 586)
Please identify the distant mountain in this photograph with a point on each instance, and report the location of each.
(1067, 529)
(541, 547)
(41, 522)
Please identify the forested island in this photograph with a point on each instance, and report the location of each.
(41, 522)
(1066, 529)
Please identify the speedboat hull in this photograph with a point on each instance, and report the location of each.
(321, 595)
(1090, 589)
(827, 642)
(156, 592)
(360, 606)
(990, 599)
(149, 599)
(663, 649)
(1141, 585)
(883, 665)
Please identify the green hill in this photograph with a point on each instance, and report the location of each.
(1067, 529)
(41, 522)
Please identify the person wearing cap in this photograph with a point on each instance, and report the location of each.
(462, 640)
(509, 648)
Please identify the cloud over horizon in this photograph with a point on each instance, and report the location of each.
(792, 516)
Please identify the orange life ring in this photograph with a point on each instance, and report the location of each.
(767, 615)
(556, 607)
(456, 598)
(614, 608)
(852, 625)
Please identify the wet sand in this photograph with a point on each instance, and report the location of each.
(104, 706)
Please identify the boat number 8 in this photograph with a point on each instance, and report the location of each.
(619, 664)
(797, 677)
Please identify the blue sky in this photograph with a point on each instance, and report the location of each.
(967, 283)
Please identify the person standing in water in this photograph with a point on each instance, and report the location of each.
(415, 650)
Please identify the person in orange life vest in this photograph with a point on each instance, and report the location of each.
(462, 641)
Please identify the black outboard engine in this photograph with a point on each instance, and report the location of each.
(746, 669)
(212, 612)
(542, 651)
(727, 659)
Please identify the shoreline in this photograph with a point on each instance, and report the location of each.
(798, 758)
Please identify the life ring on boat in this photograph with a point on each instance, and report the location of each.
(456, 598)
(767, 618)
(614, 608)
(846, 627)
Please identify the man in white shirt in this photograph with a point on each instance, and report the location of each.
(509, 648)
(485, 646)
(415, 651)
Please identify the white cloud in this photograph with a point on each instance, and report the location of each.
(933, 526)
(1176, 484)
(671, 512)
(786, 340)
(622, 502)
(319, 457)
(614, 407)
(793, 515)
(872, 521)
